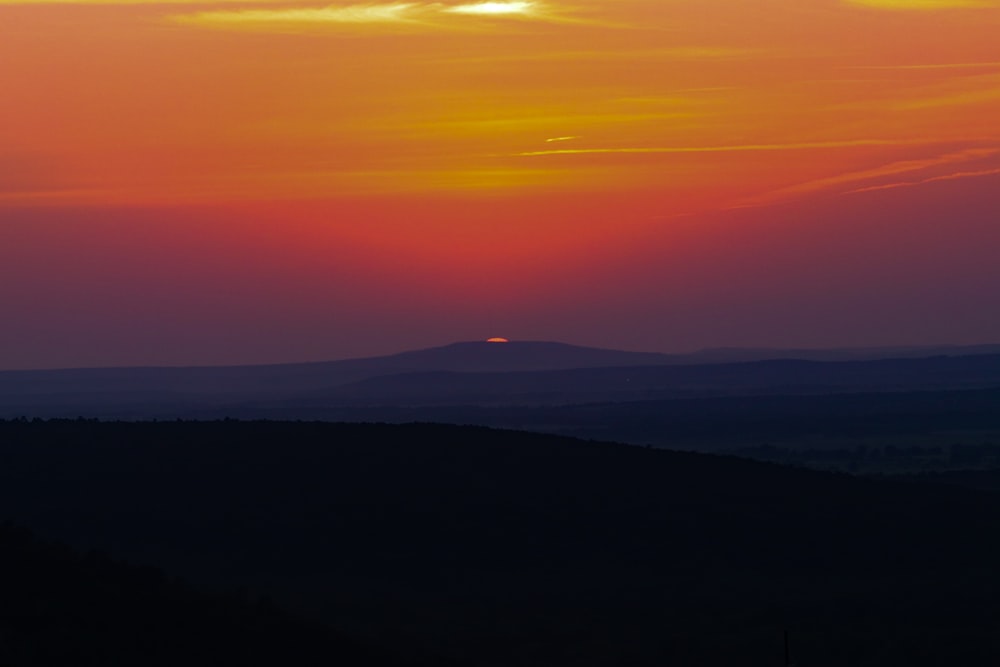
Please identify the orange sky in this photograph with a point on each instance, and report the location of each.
(369, 177)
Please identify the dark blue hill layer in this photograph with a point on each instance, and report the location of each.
(464, 373)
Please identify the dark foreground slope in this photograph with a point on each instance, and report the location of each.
(59, 608)
(506, 548)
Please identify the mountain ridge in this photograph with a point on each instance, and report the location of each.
(721, 354)
(529, 371)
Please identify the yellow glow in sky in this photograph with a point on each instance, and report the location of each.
(647, 100)
(413, 14)
(493, 8)
(331, 14)
(394, 159)
(926, 4)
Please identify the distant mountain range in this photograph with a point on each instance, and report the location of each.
(490, 374)
(457, 357)
(718, 355)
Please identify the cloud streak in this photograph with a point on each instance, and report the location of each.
(933, 179)
(676, 54)
(351, 14)
(736, 148)
(925, 5)
(890, 169)
(933, 66)
(143, 3)
(413, 14)
(493, 8)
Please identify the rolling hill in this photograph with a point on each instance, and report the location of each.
(528, 373)
(517, 549)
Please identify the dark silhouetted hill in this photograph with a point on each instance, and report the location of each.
(517, 549)
(582, 385)
(458, 357)
(152, 392)
(719, 355)
(718, 423)
(60, 608)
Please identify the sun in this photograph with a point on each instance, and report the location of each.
(497, 340)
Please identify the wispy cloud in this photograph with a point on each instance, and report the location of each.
(949, 90)
(946, 177)
(988, 93)
(493, 8)
(412, 14)
(933, 66)
(734, 148)
(890, 169)
(351, 14)
(144, 3)
(674, 54)
(925, 5)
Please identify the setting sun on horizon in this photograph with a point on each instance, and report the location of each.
(189, 182)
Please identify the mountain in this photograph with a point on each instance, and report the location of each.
(477, 357)
(719, 355)
(457, 357)
(477, 373)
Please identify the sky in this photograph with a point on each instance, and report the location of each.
(254, 181)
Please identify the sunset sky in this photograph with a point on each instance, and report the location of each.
(185, 182)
